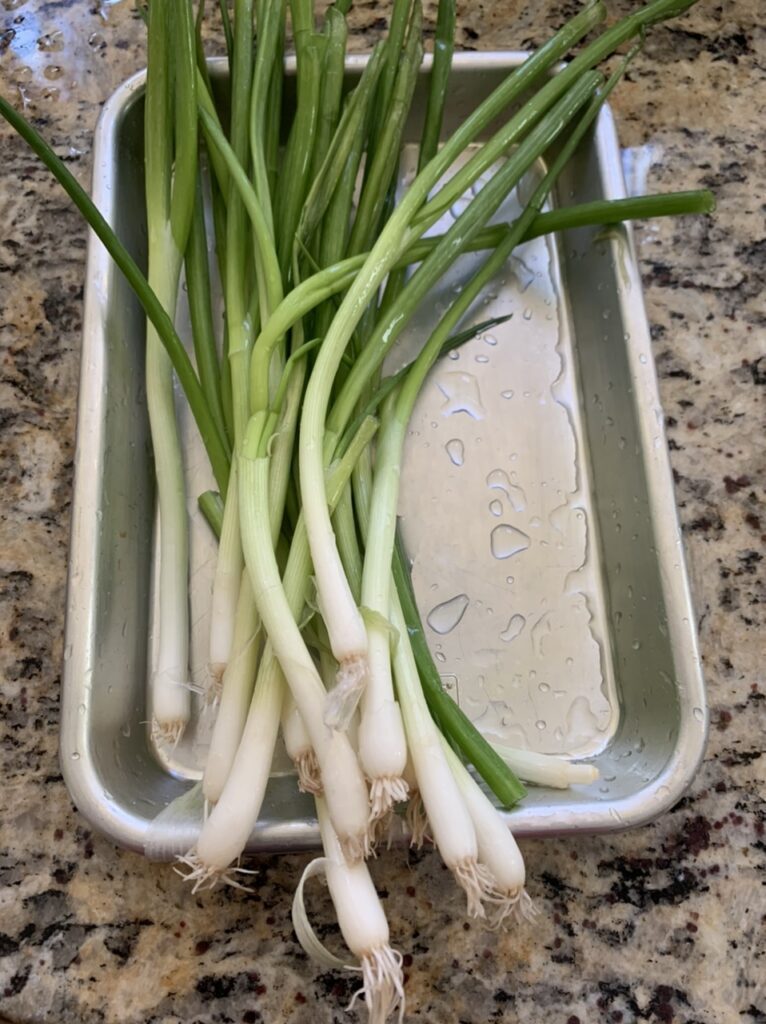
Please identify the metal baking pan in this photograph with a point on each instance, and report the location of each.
(537, 508)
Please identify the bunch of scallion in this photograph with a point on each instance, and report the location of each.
(322, 264)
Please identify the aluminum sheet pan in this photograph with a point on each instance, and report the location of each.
(537, 507)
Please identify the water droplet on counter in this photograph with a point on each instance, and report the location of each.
(96, 41)
(642, 358)
(75, 756)
(441, 656)
(52, 42)
(456, 451)
(636, 645)
(510, 580)
(506, 394)
(461, 391)
(699, 714)
(454, 354)
(527, 314)
(496, 507)
(445, 616)
(490, 339)
(543, 687)
(515, 625)
(540, 724)
(481, 358)
(506, 541)
(53, 71)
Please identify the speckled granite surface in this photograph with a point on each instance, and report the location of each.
(663, 924)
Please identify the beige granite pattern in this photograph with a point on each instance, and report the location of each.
(665, 923)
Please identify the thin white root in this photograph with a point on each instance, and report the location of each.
(478, 885)
(381, 830)
(356, 848)
(343, 698)
(417, 819)
(205, 877)
(382, 985)
(511, 907)
(214, 685)
(309, 775)
(168, 734)
(384, 793)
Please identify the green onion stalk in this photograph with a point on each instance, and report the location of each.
(171, 169)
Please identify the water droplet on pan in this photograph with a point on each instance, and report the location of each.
(506, 541)
(460, 206)
(456, 451)
(445, 616)
(461, 391)
(514, 628)
(499, 480)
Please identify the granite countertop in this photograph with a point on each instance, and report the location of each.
(665, 923)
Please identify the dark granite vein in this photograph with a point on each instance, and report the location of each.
(663, 924)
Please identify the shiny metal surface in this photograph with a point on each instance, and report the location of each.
(537, 507)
